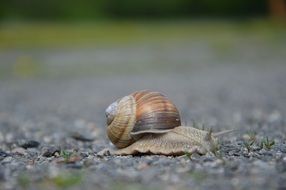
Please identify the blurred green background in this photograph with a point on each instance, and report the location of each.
(107, 37)
(116, 9)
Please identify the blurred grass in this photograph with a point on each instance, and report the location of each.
(64, 35)
(46, 49)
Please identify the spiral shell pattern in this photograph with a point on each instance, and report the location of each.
(139, 113)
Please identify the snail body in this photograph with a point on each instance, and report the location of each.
(178, 141)
(148, 122)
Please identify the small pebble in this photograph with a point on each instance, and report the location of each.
(103, 153)
(29, 144)
(3, 154)
(50, 151)
(80, 137)
(19, 150)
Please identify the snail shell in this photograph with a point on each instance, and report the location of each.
(148, 122)
(142, 112)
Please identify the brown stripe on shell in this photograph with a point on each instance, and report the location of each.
(155, 113)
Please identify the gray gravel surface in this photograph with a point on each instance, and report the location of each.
(52, 128)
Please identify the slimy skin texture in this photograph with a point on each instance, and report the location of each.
(147, 122)
(179, 141)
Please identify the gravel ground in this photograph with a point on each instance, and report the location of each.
(52, 128)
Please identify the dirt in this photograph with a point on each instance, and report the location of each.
(52, 121)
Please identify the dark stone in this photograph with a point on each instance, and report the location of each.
(81, 137)
(50, 151)
(3, 154)
(29, 144)
(84, 154)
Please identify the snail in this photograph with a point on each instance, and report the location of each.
(148, 122)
